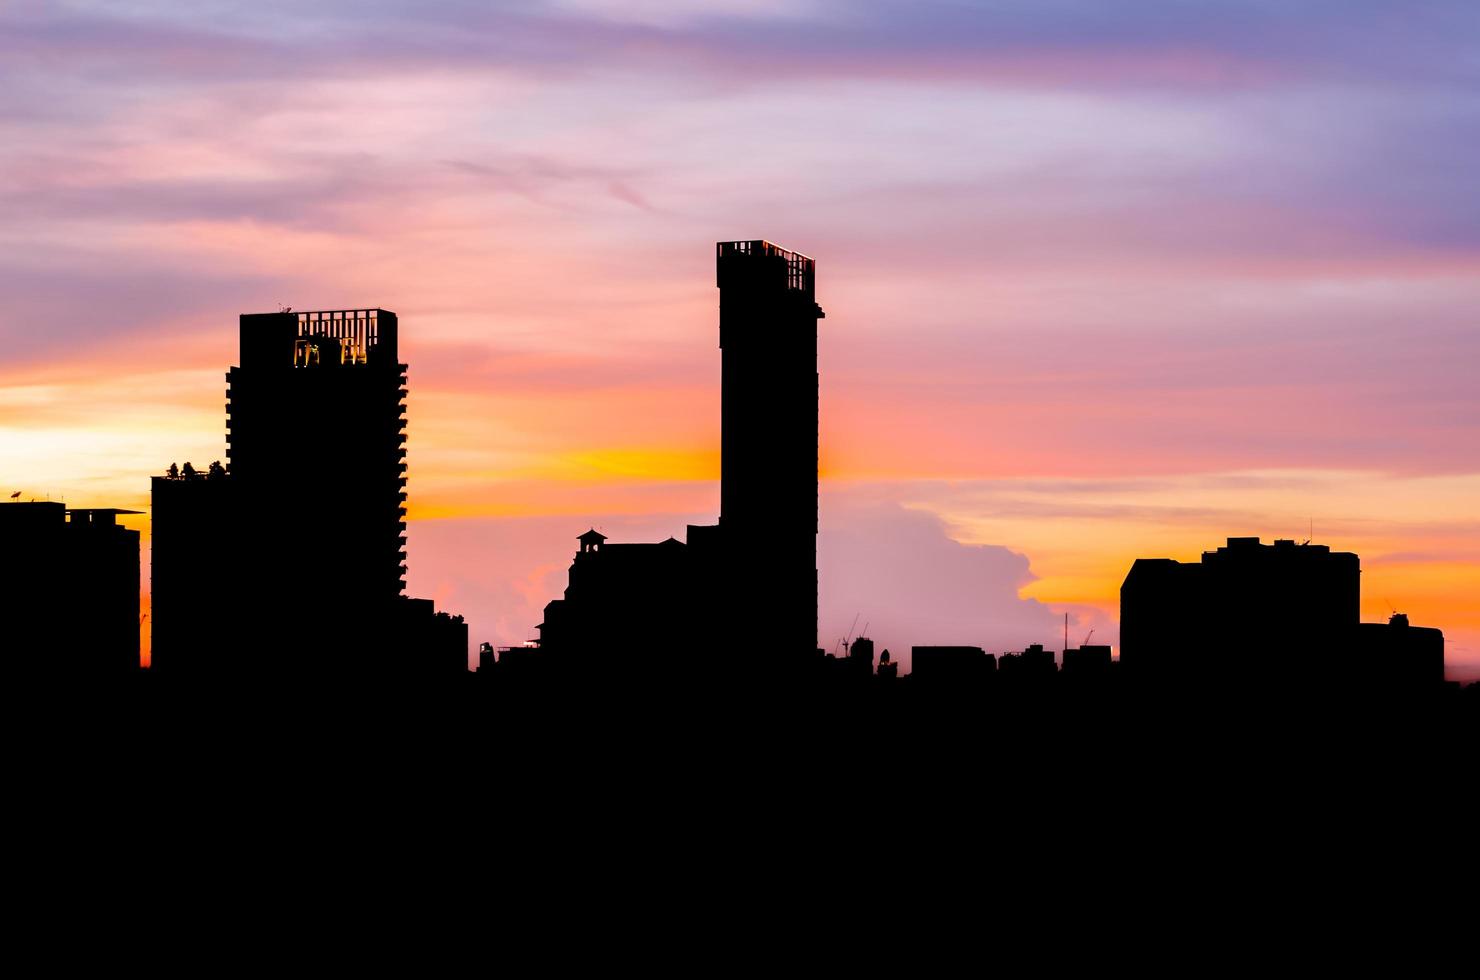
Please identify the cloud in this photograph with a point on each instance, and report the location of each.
(1146, 42)
(899, 570)
(66, 303)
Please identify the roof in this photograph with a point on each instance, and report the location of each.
(758, 246)
(592, 535)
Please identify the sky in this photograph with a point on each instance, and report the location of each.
(1102, 280)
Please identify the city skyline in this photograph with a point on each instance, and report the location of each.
(1122, 290)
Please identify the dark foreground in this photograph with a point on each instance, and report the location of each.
(854, 725)
(723, 826)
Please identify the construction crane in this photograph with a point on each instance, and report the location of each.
(848, 641)
(1086, 638)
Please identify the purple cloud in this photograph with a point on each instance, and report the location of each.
(1426, 42)
(63, 303)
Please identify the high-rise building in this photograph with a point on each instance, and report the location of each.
(769, 395)
(71, 602)
(316, 439)
(292, 556)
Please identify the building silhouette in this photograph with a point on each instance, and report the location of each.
(71, 600)
(201, 569)
(1397, 655)
(769, 402)
(1091, 662)
(1270, 615)
(861, 656)
(288, 560)
(316, 435)
(628, 608)
(294, 552)
(947, 666)
(676, 608)
(888, 670)
(1033, 664)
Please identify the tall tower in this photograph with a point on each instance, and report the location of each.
(768, 317)
(316, 440)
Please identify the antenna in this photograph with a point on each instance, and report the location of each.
(1066, 631)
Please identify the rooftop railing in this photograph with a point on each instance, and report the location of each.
(800, 268)
(356, 330)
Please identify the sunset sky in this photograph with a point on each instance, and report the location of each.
(1102, 280)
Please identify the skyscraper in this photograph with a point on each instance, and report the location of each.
(293, 554)
(316, 440)
(769, 394)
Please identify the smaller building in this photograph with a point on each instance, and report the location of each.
(888, 667)
(1087, 661)
(1397, 655)
(424, 642)
(644, 612)
(200, 621)
(222, 609)
(525, 662)
(1034, 663)
(1265, 616)
(1287, 604)
(71, 602)
(951, 665)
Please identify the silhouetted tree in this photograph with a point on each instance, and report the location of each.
(216, 471)
(188, 472)
(173, 472)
